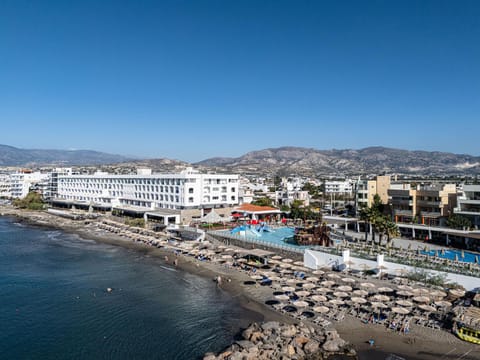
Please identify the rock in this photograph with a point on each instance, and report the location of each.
(225, 354)
(335, 345)
(271, 325)
(245, 344)
(311, 347)
(301, 340)
(290, 350)
(289, 331)
(256, 336)
(209, 356)
(332, 335)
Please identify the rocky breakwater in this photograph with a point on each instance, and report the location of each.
(272, 340)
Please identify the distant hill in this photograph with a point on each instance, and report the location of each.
(12, 156)
(371, 160)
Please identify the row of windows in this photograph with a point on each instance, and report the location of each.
(124, 181)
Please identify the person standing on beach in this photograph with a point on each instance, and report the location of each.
(219, 281)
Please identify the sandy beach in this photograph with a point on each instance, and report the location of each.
(420, 343)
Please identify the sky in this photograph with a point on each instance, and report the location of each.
(191, 80)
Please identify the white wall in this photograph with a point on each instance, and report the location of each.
(316, 259)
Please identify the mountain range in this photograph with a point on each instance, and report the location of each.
(12, 156)
(281, 161)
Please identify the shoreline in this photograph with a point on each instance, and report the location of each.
(426, 344)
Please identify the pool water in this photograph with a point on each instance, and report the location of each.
(453, 255)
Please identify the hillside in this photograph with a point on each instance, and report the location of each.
(371, 160)
(12, 156)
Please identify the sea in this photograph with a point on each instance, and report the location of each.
(54, 302)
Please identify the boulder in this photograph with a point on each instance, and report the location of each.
(289, 331)
(271, 325)
(209, 356)
(332, 335)
(300, 340)
(245, 344)
(256, 336)
(335, 345)
(311, 347)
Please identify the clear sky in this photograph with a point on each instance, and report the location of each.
(194, 79)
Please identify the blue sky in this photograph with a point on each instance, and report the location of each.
(196, 79)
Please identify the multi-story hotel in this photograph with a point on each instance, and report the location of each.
(469, 204)
(188, 189)
(424, 204)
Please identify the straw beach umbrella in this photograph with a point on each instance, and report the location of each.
(360, 292)
(404, 303)
(319, 298)
(344, 288)
(321, 309)
(300, 303)
(421, 299)
(308, 286)
(400, 310)
(358, 300)
(340, 294)
(385, 289)
(282, 297)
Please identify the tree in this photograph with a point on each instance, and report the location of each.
(33, 201)
(456, 221)
(263, 201)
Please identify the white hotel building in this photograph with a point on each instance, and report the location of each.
(186, 190)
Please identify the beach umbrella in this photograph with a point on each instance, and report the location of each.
(274, 278)
(318, 298)
(292, 281)
(333, 276)
(276, 257)
(256, 277)
(288, 288)
(443, 303)
(298, 263)
(358, 300)
(318, 272)
(302, 293)
(420, 291)
(312, 279)
(381, 298)
(360, 292)
(348, 280)
(300, 303)
(438, 294)
(226, 256)
(427, 308)
(405, 293)
(421, 299)
(327, 283)
(321, 309)
(456, 292)
(308, 286)
(324, 290)
(288, 261)
(385, 289)
(285, 266)
(337, 302)
(282, 297)
(404, 303)
(367, 285)
(400, 310)
(404, 287)
(378, 305)
(344, 288)
(340, 294)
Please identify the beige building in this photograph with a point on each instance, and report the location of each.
(379, 186)
(422, 204)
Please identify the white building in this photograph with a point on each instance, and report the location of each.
(5, 186)
(186, 190)
(468, 204)
(20, 183)
(339, 187)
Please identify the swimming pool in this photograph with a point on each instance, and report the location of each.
(455, 255)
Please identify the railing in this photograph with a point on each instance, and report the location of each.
(247, 239)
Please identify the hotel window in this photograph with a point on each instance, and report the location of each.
(215, 198)
(177, 199)
(232, 189)
(190, 190)
(233, 198)
(224, 189)
(224, 197)
(171, 198)
(190, 199)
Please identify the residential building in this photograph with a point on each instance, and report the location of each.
(427, 204)
(468, 204)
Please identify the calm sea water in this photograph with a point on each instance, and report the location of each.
(54, 303)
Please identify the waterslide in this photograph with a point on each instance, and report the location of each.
(247, 231)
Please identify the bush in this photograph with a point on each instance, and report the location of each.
(33, 201)
(135, 222)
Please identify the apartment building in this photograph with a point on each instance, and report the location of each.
(468, 204)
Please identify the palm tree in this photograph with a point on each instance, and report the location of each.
(391, 230)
